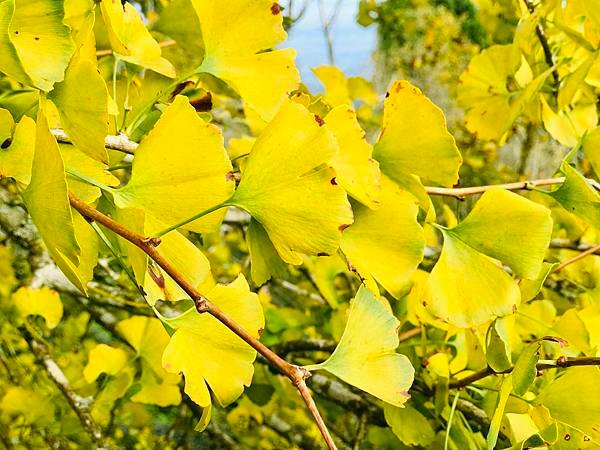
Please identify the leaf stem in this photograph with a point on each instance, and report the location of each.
(450, 417)
(89, 180)
(191, 219)
(296, 374)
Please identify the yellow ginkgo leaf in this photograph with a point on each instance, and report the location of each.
(131, 40)
(288, 187)
(414, 139)
(80, 164)
(265, 262)
(366, 354)
(7, 126)
(16, 160)
(568, 125)
(236, 34)
(386, 244)
(355, 170)
(39, 302)
(113, 389)
(40, 39)
(82, 101)
(180, 168)
(179, 251)
(47, 198)
(495, 227)
(324, 271)
(591, 148)
(10, 64)
(149, 338)
(33, 407)
(208, 353)
(80, 17)
(104, 359)
(335, 83)
(467, 288)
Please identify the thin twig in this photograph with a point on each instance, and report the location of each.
(461, 193)
(120, 143)
(562, 362)
(296, 374)
(590, 251)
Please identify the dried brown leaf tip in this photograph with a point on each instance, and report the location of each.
(319, 120)
(275, 9)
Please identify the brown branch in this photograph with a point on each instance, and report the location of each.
(120, 143)
(562, 362)
(461, 193)
(77, 403)
(590, 251)
(296, 374)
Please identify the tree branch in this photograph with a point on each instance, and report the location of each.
(296, 374)
(562, 362)
(120, 143)
(461, 193)
(590, 251)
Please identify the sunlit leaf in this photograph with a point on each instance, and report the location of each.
(104, 359)
(367, 351)
(39, 302)
(16, 159)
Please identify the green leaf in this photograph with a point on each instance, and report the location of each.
(290, 190)
(236, 34)
(498, 346)
(591, 148)
(367, 350)
(208, 353)
(82, 102)
(414, 139)
(505, 389)
(525, 370)
(386, 244)
(531, 288)
(180, 168)
(265, 262)
(324, 272)
(39, 302)
(409, 425)
(573, 398)
(16, 160)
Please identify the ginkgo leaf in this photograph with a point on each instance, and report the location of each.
(41, 40)
(179, 251)
(236, 34)
(16, 160)
(578, 197)
(288, 187)
(208, 353)
(324, 271)
(574, 399)
(467, 288)
(7, 125)
(180, 168)
(80, 17)
(335, 83)
(113, 389)
(366, 354)
(510, 228)
(409, 425)
(386, 244)
(149, 338)
(82, 101)
(355, 170)
(10, 64)
(591, 148)
(78, 163)
(104, 359)
(39, 302)
(47, 198)
(414, 139)
(265, 262)
(131, 40)
(34, 407)
(568, 125)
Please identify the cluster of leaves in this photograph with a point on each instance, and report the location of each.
(274, 204)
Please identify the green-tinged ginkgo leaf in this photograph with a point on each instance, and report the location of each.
(79, 165)
(7, 125)
(131, 40)
(578, 197)
(41, 40)
(180, 168)
(366, 354)
(591, 148)
(495, 88)
(288, 187)
(39, 302)
(409, 425)
(113, 389)
(80, 17)
(104, 359)
(265, 262)
(47, 198)
(386, 244)
(82, 101)
(525, 370)
(495, 423)
(9, 59)
(355, 170)
(324, 271)
(16, 159)
(498, 349)
(208, 353)
(569, 124)
(414, 139)
(33, 407)
(530, 288)
(510, 228)
(467, 288)
(573, 398)
(236, 34)
(149, 338)
(179, 251)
